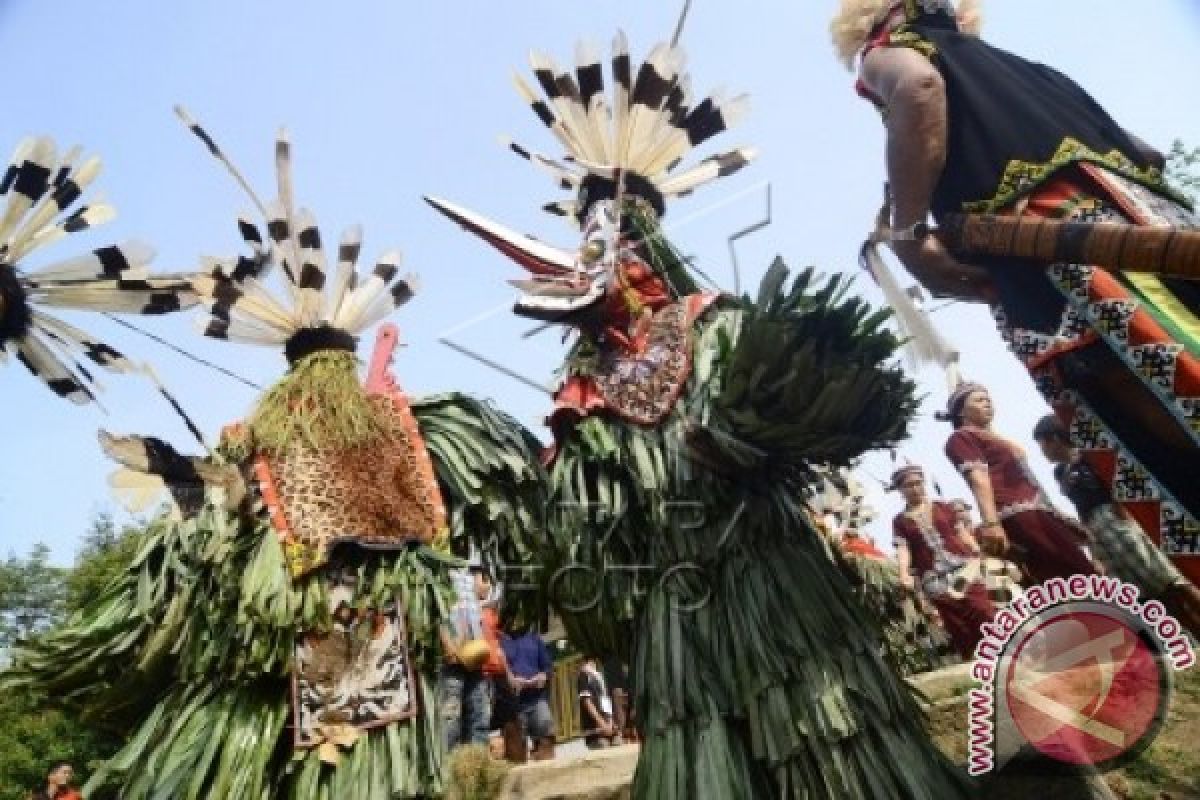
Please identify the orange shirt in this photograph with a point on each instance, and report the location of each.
(494, 666)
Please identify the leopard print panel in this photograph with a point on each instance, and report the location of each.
(374, 496)
(643, 387)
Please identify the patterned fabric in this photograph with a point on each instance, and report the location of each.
(915, 8)
(933, 545)
(942, 564)
(638, 379)
(1020, 177)
(1046, 543)
(376, 496)
(1126, 552)
(1014, 486)
(1101, 307)
(643, 386)
(358, 675)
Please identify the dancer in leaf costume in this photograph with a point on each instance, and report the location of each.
(40, 191)
(687, 429)
(913, 641)
(280, 639)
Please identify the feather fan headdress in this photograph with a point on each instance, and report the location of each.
(635, 138)
(621, 146)
(315, 317)
(40, 192)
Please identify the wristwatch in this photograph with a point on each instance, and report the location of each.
(913, 233)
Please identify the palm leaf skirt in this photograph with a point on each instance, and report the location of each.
(190, 654)
(687, 548)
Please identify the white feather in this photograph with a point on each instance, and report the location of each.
(137, 254)
(351, 239)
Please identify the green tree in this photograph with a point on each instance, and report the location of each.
(105, 554)
(33, 736)
(34, 596)
(1183, 168)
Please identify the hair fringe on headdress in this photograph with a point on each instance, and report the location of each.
(852, 25)
(970, 17)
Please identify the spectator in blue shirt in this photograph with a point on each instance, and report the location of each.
(529, 667)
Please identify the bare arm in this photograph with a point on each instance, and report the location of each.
(985, 498)
(904, 564)
(966, 537)
(914, 96)
(449, 647)
(598, 722)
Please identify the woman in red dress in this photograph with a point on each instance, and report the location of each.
(931, 541)
(1018, 518)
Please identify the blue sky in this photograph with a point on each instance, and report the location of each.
(387, 100)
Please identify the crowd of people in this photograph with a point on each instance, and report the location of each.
(495, 686)
(967, 570)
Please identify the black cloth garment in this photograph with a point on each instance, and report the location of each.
(1083, 487)
(1002, 108)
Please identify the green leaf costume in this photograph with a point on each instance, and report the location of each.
(688, 428)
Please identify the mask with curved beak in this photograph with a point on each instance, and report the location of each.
(561, 287)
(625, 158)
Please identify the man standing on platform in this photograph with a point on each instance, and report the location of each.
(529, 666)
(973, 129)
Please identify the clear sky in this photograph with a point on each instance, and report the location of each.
(389, 100)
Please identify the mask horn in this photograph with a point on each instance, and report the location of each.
(536, 257)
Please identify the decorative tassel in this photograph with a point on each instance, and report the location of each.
(922, 342)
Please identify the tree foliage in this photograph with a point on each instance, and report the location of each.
(1183, 168)
(105, 553)
(33, 736)
(35, 596)
(32, 594)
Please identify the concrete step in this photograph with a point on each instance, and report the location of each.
(593, 775)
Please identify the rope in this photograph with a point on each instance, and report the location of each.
(184, 353)
(687, 6)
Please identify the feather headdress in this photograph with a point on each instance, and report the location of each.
(41, 195)
(313, 315)
(312, 306)
(636, 137)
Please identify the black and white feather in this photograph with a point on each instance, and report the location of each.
(647, 125)
(41, 196)
(285, 285)
(151, 472)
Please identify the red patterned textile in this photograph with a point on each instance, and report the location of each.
(1103, 309)
(1048, 543)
